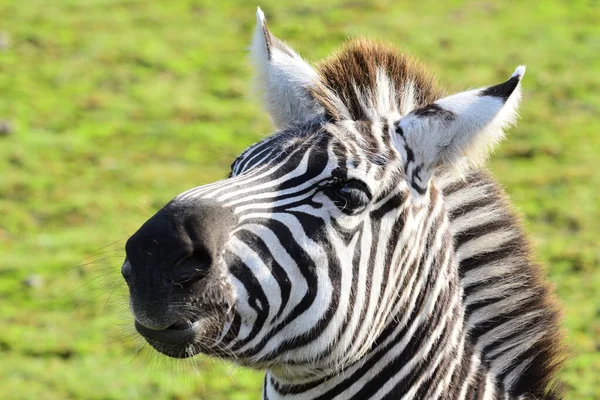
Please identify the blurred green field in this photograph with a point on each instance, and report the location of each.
(109, 108)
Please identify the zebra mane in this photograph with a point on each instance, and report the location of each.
(510, 314)
(356, 80)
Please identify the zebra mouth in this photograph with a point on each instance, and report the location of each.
(177, 341)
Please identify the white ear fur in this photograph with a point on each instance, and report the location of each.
(285, 79)
(459, 129)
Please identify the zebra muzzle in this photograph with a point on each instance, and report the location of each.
(172, 271)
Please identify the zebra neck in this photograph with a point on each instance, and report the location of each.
(406, 362)
(422, 349)
(434, 361)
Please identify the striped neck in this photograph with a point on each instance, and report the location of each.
(422, 351)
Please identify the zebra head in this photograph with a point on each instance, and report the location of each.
(298, 261)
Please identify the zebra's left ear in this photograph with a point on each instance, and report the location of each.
(456, 130)
(285, 79)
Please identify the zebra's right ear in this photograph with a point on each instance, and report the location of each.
(284, 78)
(456, 131)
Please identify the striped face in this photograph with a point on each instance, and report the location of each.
(299, 265)
(301, 258)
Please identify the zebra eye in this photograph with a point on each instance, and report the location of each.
(351, 197)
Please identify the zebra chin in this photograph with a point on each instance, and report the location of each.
(184, 339)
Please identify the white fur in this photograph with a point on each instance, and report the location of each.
(467, 138)
(407, 97)
(285, 79)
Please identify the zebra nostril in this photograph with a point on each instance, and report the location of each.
(192, 269)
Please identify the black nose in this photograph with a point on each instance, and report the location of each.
(179, 243)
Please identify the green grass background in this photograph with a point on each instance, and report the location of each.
(113, 107)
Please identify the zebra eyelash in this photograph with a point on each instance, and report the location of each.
(351, 196)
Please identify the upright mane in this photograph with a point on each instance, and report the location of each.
(510, 313)
(354, 75)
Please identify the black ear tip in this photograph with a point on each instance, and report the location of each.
(504, 90)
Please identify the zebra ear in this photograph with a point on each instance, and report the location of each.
(284, 78)
(458, 130)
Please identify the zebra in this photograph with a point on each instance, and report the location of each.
(361, 251)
